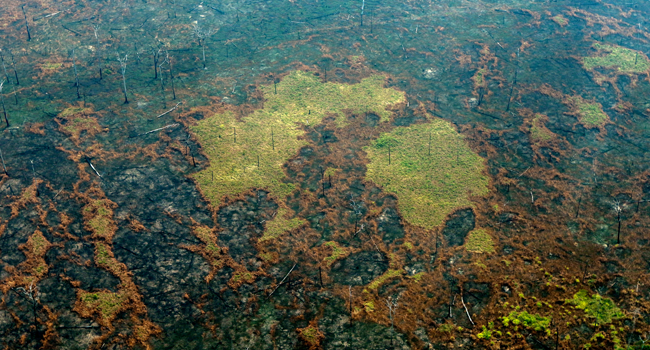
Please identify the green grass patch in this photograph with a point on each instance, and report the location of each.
(539, 131)
(272, 134)
(616, 57)
(280, 224)
(369, 306)
(379, 281)
(70, 111)
(337, 253)
(526, 320)
(50, 65)
(417, 277)
(40, 244)
(602, 310)
(311, 335)
(244, 276)
(589, 114)
(479, 241)
(561, 20)
(430, 181)
(106, 303)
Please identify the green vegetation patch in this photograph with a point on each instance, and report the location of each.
(479, 77)
(206, 236)
(603, 310)
(479, 241)
(106, 303)
(616, 57)
(242, 277)
(539, 131)
(369, 306)
(379, 281)
(70, 111)
(527, 320)
(40, 244)
(279, 225)
(590, 114)
(561, 20)
(429, 167)
(99, 218)
(311, 335)
(78, 125)
(337, 252)
(51, 65)
(250, 153)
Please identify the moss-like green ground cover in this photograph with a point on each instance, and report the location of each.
(279, 225)
(590, 114)
(526, 320)
(432, 171)
(539, 131)
(250, 153)
(479, 241)
(616, 57)
(337, 252)
(603, 310)
(106, 303)
(379, 281)
(561, 20)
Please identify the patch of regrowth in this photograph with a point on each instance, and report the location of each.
(337, 253)
(104, 258)
(379, 281)
(272, 135)
(590, 114)
(429, 167)
(602, 310)
(560, 20)
(99, 218)
(539, 131)
(241, 277)
(524, 319)
(311, 335)
(488, 332)
(446, 328)
(70, 111)
(479, 77)
(40, 269)
(205, 235)
(280, 224)
(330, 172)
(51, 65)
(479, 241)
(38, 243)
(106, 304)
(369, 306)
(417, 277)
(408, 245)
(77, 122)
(617, 57)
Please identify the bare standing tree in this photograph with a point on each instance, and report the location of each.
(171, 73)
(98, 55)
(76, 76)
(160, 68)
(392, 309)
(201, 35)
(2, 98)
(32, 295)
(618, 208)
(123, 66)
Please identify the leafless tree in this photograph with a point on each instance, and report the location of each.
(123, 66)
(202, 34)
(392, 309)
(2, 98)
